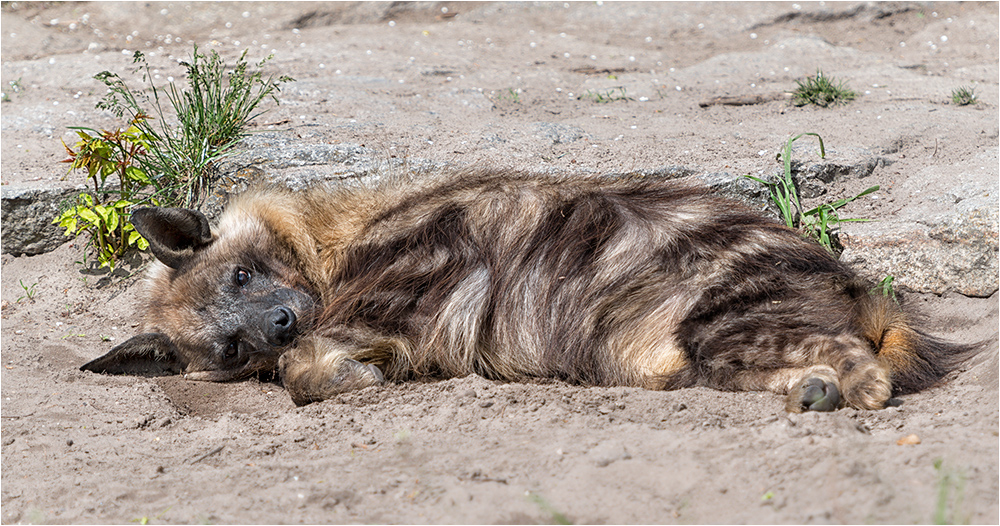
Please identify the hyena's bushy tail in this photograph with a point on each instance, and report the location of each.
(915, 360)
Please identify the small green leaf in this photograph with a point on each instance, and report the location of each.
(112, 218)
(136, 174)
(135, 238)
(104, 213)
(89, 216)
(67, 221)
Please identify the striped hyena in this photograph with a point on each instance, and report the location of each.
(597, 281)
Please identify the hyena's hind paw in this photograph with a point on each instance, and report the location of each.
(866, 386)
(311, 373)
(813, 394)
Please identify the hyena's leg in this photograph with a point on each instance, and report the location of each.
(316, 369)
(819, 373)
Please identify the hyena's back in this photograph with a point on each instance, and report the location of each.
(612, 282)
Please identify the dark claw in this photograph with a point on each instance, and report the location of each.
(820, 395)
(814, 394)
(377, 372)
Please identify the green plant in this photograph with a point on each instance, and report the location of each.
(964, 96)
(884, 287)
(817, 223)
(606, 96)
(102, 212)
(209, 118)
(821, 91)
(29, 292)
(146, 520)
(948, 480)
(104, 153)
(111, 234)
(557, 517)
(15, 87)
(511, 94)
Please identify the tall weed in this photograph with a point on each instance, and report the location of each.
(819, 223)
(208, 118)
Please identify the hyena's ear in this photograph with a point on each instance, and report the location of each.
(149, 354)
(173, 233)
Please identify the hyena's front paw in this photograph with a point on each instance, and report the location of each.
(311, 373)
(813, 394)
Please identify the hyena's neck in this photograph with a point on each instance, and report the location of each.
(318, 226)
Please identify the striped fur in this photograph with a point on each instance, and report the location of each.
(597, 281)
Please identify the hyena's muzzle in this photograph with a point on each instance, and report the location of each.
(249, 332)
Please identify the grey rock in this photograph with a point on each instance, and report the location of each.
(272, 158)
(747, 191)
(662, 172)
(954, 251)
(27, 219)
(812, 179)
(742, 189)
(949, 253)
(277, 151)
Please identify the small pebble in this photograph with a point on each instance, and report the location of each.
(908, 440)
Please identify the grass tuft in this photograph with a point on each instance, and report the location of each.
(511, 94)
(606, 96)
(15, 87)
(822, 91)
(885, 288)
(29, 291)
(207, 120)
(556, 516)
(964, 96)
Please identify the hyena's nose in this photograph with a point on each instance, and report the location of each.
(279, 323)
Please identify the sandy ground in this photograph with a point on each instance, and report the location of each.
(501, 83)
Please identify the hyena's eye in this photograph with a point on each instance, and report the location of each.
(242, 277)
(232, 350)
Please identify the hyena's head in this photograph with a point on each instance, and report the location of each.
(223, 305)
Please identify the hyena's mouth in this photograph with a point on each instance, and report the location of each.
(237, 359)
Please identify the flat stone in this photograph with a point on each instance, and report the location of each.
(950, 253)
(28, 214)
